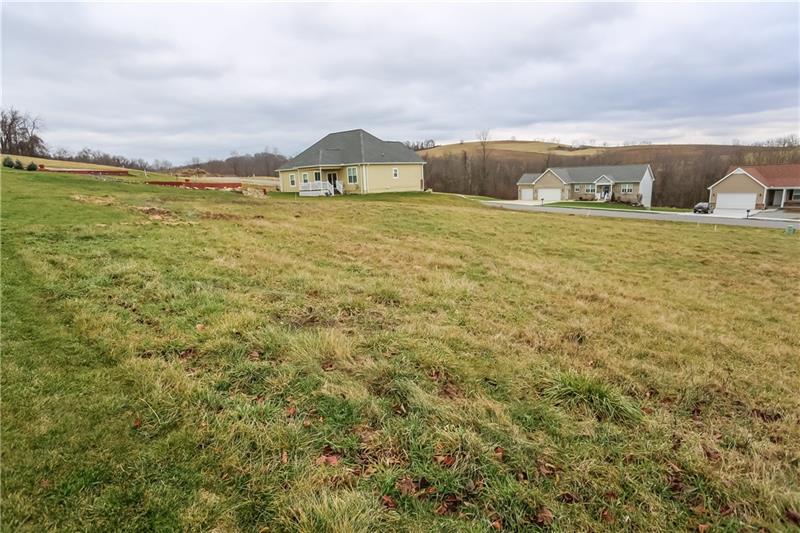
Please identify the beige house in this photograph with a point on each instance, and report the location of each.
(756, 187)
(352, 162)
(626, 183)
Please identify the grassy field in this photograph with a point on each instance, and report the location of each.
(200, 360)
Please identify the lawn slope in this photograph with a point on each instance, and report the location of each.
(199, 360)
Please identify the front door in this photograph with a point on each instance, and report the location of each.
(332, 178)
(605, 192)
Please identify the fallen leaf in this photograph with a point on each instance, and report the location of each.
(137, 423)
(254, 356)
(711, 453)
(200, 328)
(546, 469)
(441, 509)
(499, 453)
(702, 528)
(389, 502)
(306, 423)
(610, 496)
(327, 366)
(291, 410)
(284, 457)
(606, 516)
(793, 516)
(568, 497)
(544, 517)
(445, 460)
(699, 509)
(330, 460)
(45, 483)
(497, 524)
(406, 486)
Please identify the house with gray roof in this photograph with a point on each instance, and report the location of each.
(624, 183)
(352, 162)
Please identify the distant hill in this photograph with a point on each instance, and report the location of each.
(683, 171)
(135, 175)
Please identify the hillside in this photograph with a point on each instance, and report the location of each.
(203, 361)
(134, 175)
(683, 171)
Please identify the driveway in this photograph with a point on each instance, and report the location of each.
(643, 215)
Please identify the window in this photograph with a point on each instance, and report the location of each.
(627, 188)
(291, 180)
(305, 177)
(317, 176)
(395, 173)
(577, 188)
(795, 194)
(352, 175)
(590, 188)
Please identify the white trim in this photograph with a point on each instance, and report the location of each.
(542, 174)
(351, 163)
(348, 175)
(610, 181)
(736, 171)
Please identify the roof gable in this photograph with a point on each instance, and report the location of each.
(615, 173)
(772, 175)
(352, 147)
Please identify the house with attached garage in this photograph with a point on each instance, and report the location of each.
(756, 187)
(352, 162)
(625, 183)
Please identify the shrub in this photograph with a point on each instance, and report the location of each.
(32, 166)
(18, 164)
(8, 162)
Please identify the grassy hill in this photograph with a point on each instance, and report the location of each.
(201, 360)
(135, 175)
(683, 171)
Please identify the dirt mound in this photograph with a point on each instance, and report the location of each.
(94, 200)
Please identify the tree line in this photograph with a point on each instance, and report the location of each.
(683, 172)
(20, 135)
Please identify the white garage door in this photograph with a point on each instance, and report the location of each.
(735, 204)
(526, 194)
(550, 195)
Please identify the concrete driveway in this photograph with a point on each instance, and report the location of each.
(642, 215)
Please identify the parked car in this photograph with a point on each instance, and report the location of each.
(702, 207)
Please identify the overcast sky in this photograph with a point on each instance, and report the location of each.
(177, 81)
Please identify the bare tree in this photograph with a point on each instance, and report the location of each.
(483, 140)
(19, 134)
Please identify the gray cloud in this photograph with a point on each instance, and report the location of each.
(176, 81)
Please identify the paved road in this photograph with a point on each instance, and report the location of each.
(673, 217)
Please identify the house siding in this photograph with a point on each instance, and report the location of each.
(379, 177)
(341, 176)
(737, 183)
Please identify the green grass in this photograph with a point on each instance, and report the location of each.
(200, 360)
(612, 205)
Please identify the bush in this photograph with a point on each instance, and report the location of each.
(8, 162)
(18, 164)
(32, 166)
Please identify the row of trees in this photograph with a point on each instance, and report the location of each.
(683, 173)
(20, 134)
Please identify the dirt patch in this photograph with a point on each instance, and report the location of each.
(155, 213)
(219, 216)
(94, 200)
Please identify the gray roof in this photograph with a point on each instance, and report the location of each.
(352, 147)
(618, 173)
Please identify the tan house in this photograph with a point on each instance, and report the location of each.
(756, 187)
(352, 162)
(626, 183)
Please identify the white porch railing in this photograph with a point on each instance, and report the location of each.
(316, 188)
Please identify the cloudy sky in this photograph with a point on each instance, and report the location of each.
(173, 81)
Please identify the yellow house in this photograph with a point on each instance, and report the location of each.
(352, 162)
